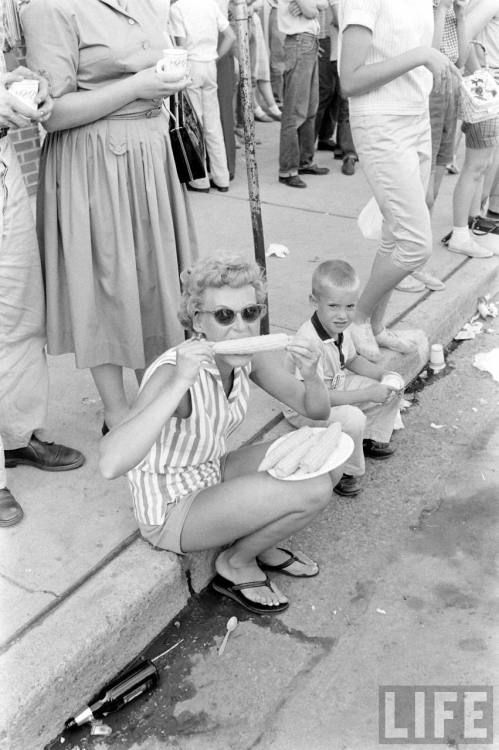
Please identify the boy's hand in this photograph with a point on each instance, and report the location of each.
(191, 356)
(380, 394)
(305, 355)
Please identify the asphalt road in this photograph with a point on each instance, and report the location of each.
(407, 596)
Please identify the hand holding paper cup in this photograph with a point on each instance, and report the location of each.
(393, 380)
(173, 66)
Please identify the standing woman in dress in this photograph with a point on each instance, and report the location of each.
(386, 67)
(114, 227)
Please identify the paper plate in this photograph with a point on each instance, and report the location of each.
(338, 457)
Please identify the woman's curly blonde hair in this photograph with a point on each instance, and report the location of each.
(217, 271)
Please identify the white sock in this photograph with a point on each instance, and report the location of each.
(460, 234)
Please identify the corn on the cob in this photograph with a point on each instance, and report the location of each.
(252, 344)
(290, 463)
(276, 453)
(320, 450)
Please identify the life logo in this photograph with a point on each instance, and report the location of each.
(429, 714)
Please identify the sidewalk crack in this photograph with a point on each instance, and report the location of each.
(27, 589)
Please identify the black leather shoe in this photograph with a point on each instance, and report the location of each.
(348, 486)
(313, 169)
(10, 510)
(47, 456)
(376, 450)
(293, 181)
(219, 187)
(348, 166)
(326, 146)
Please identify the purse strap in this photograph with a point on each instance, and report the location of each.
(482, 46)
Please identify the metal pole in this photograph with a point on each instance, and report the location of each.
(246, 91)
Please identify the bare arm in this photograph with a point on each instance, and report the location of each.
(82, 107)
(161, 398)
(308, 396)
(359, 78)
(463, 41)
(361, 366)
(310, 8)
(478, 16)
(226, 42)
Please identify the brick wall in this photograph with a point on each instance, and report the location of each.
(27, 143)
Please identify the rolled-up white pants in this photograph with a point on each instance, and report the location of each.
(395, 155)
(23, 366)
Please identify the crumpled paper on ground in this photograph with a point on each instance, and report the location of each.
(280, 251)
(488, 362)
(468, 331)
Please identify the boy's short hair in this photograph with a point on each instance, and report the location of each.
(217, 271)
(336, 272)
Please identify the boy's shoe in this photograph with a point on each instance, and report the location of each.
(391, 340)
(379, 451)
(348, 486)
(365, 343)
(293, 180)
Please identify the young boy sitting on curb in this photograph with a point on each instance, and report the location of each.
(366, 408)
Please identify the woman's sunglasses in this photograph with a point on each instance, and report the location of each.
(225, 316)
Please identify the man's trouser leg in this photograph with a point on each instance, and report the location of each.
(23, 366)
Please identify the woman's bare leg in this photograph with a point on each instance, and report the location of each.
(108, 380)
(256, 510)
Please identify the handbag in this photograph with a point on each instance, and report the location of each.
(186, 136)
(479, 94)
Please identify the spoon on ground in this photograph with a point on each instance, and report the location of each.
(231, 625)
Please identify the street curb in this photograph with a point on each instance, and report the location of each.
(142, 589)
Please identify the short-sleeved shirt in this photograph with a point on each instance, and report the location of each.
(289, 24)
(397, 26)
(80, 45)
(199, 23)
(186, 456)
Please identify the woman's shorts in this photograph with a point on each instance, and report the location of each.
(481, 134)
(167, 535)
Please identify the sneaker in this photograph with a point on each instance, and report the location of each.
(410, 284)
(376, 450)
(293, 181)
(365, 343)
(470, 248)
(313, 169)
(391, 340)
(430, 281)
(348, 486)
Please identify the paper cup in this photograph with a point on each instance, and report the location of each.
(173, 66)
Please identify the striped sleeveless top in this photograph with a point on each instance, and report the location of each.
(186, 456)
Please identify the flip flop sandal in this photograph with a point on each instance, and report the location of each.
(233, 590)
(281, 567)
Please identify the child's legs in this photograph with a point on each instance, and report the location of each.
(353, 423)
(212, 126)
(380, 418)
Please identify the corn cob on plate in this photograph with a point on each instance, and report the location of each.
(341, 453)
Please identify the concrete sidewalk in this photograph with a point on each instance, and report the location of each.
(81, 593)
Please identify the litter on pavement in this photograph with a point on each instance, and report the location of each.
(280, 251)
(488, 362)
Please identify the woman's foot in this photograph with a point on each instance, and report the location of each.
(395, 341)
(294, 564)
(364, 341)
(228, 566)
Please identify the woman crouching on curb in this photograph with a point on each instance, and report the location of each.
(188, 493)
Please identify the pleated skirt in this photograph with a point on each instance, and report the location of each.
(115, 230)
